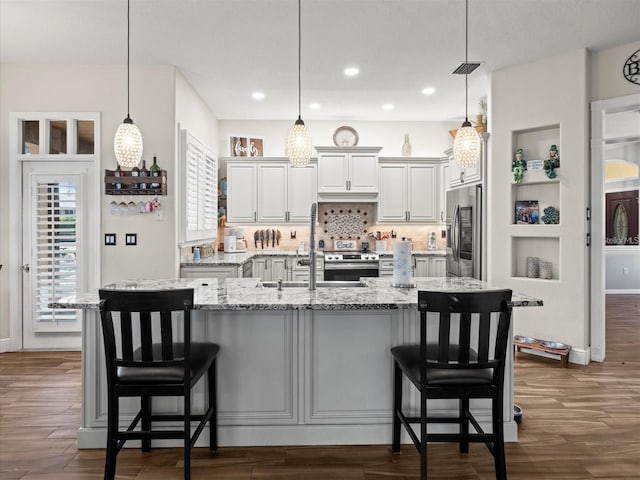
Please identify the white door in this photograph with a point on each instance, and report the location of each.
(422, 197)
(302, 189)
(363, 172)
(54, 252)
(272, 193)
(241, 193)
(393, 193)
(333, 172)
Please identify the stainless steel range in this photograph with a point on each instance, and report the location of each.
(350, 265)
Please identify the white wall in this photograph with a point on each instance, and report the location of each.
(606, 76)
(428, 139)
(547, 92)
(100, 88)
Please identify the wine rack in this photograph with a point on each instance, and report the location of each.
(126, 180)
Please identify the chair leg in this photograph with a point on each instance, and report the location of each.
(397, 407)
(145, 406)
(464, 425)
(112, 442)
(423, 434)
(498, 442)
(187, 434)
(213, 421)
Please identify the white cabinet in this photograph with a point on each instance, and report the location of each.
(210, 271)
(408, 193)
(301, 273)
(348, 172)
(429, 266)
(271, 268)
(420, 266)
(270, 192)
(241, 193)
(443, 187)
(467, 176)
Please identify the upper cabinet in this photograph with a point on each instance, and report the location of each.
(468, 176)
(349, 173)
(408, 192)
(269, 191)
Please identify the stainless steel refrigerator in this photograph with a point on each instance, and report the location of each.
(464, 232)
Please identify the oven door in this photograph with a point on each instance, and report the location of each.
(349, 271)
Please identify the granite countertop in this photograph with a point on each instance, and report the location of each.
(240, 258)
(246, 294)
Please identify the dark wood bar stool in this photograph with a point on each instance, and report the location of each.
(139, 365)
(470, 366)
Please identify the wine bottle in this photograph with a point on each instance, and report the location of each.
(135, 172)
(118, 173)
(154, 171)
(143, 173)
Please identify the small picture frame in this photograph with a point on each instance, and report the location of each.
(243, 146)
(527, 212)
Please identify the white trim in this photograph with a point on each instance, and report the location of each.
(623, 291)
(599, 109)
(15, 340)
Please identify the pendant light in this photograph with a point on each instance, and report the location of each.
(299, 139)
(127, 143)
(466, 145)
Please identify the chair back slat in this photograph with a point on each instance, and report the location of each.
(126, 334)
(481, 320)
(137, 312)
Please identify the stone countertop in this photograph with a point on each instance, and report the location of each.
(240, 258)
(246, 294)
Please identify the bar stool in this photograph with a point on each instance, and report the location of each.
(470, 366)
(139, 365)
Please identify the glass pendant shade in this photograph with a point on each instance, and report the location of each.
(299, 145)
(466, 146)
(127, 144)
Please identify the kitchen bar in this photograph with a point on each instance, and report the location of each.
(281, 381)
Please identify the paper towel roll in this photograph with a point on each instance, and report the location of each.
(401, 263)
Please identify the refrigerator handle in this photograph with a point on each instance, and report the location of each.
(454, 233)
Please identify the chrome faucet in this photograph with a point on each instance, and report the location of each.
(312, 247)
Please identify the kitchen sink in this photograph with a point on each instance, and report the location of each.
(324, 284)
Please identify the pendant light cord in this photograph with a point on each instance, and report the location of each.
(466, 60)
(128, 33)
(299, 58)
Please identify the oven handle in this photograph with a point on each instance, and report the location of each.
(350, 266)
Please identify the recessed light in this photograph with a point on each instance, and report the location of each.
(314, 106)
(428, 91)
(387, 106)
(257, 96)
(351, 71)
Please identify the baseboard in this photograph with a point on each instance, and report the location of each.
(622, 291)
(8, 345)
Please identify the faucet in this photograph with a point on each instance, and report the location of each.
(312, 247)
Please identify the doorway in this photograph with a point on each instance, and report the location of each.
(615, 139)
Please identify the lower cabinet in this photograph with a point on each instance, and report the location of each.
(271, 268)
(427, 266)
(213, 271)
(301, 273)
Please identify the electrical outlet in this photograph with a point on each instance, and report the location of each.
(131, 239)
(159, 216)
(109, 239)
(625, 270)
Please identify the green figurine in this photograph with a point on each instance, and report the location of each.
(553, 162)
(518, 166)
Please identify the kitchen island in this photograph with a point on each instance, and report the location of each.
(296, 367)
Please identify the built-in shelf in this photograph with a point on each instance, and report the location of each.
(126, 184)
(546, 249)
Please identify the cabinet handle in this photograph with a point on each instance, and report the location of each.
(408, 216)
(255, 216)
(266, 265)
(441, 216)
(462, 176)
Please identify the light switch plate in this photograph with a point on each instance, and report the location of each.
(131, 239)
(110, 239)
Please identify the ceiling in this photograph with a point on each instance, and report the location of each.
(228, 49)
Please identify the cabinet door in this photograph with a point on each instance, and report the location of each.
(333, 172)
(278, 268)
(443, 186)
(302, 192)
(393, 193)
(363, 172)
(437, 267)
(272, 193)
(420, 266)
(422, 195)
(470, 175)
(241, 193)
(260, 268)
(226, 271)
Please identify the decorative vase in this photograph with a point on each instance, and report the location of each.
(406, 146)
(533, 267)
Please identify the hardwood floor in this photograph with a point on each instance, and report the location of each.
(580, 422)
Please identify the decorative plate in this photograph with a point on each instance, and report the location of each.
(345, 137)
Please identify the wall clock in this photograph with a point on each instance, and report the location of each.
(345, 137)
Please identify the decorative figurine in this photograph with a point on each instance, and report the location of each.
(518, 166)
(553, 162)
(551, 216)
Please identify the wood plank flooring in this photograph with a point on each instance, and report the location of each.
(581, 422)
